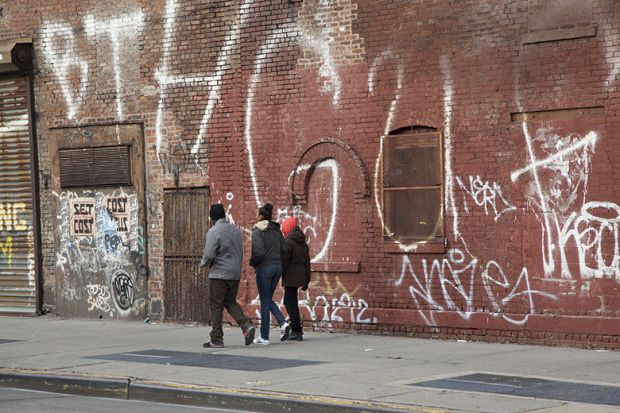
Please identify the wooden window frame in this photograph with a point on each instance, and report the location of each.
(434, 245)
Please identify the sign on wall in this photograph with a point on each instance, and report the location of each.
(83, 217)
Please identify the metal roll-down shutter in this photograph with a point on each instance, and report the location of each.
(17, 240)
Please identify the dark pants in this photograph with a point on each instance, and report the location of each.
(267, 280)
(292, 308)
(223, 294)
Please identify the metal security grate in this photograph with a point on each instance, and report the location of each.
(186, 286)
(95, 166)
(17, 226)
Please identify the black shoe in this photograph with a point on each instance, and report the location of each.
(296, 336)
(248, 335)
(211, 344)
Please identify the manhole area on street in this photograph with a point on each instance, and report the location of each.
(529, 387)
(7, 341)
(210, 360)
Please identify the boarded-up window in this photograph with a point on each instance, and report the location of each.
(95, 166)
(412, 186)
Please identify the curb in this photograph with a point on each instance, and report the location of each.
(192, 395)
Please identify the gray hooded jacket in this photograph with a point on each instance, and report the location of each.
(223, 251)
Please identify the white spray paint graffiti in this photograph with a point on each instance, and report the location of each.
(120, 29)
(59, 48)
(400, 74)
(318, 41)
(213, 80)
(278, 35)
(446, 70)
(325, 310)
(98, 298)
(309, 224)
(223, 63)
(95, 257)
(485, 194)
(456, 276)
(332, 165)
(568, 166)
(588, 230)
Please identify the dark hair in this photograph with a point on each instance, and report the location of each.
(266, 211)
(217, 212)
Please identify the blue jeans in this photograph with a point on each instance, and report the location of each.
(267, 280)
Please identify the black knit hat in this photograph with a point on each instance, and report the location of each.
(266, 211)
(217, 212)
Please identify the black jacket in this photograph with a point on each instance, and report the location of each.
(268, 245)
(297, 265)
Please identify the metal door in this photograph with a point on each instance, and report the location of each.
(17, 224)
(186, 289)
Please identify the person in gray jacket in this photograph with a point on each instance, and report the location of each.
(223, 254)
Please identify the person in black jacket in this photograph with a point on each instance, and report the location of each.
(296, 273)
(268, 250)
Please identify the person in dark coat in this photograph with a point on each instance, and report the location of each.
(296, 273)
(268, 251)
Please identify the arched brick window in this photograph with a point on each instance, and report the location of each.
(413, 185)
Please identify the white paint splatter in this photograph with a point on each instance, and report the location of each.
(223, 63)
(278, 35)
(333, 166)
(122, 29)
(59, 48)
(400, 75)
(446, 70)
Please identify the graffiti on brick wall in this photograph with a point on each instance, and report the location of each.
(327, 40)
(485, 194)
(378, 62)
(60, 50)
(309, 224)
(448, 284)
(561, 180)
(59, 44)
(213, 80)
(120, 30)
(329, 301)
(104, 258)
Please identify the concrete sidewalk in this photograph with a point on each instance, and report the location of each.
(369, 373)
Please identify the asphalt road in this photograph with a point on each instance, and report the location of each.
(28, 401)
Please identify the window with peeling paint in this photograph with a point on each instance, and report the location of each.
(413, 186)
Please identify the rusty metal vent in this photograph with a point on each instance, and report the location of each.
(95, 166)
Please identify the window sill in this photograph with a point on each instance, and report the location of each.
(421, 248)
(335, 267)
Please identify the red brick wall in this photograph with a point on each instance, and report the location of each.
(279, 100)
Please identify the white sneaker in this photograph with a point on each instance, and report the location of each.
(260, 340)
(285, 330)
